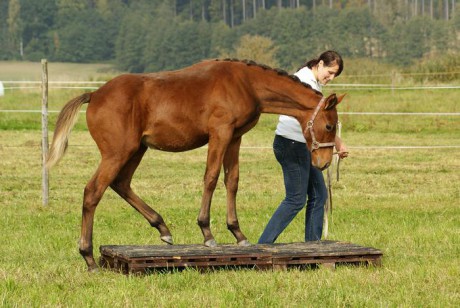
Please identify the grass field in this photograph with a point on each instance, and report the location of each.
(401, 201)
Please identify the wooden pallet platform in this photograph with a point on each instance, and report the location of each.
(136, 259)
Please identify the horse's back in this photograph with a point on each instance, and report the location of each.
(174, 110)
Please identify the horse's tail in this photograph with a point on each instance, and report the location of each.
(65, 122)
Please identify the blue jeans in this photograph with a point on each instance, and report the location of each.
(300, 179)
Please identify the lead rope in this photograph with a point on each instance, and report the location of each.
(338, 159)
(328, 204)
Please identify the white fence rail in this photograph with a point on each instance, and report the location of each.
(60, 85)
(340, 113)
(46, 84)
(17, 84)
(85, 85)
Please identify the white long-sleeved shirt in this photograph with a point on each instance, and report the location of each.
(288, 126)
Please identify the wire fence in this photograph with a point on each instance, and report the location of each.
(45, 84)
(18, 85)
(90, 85)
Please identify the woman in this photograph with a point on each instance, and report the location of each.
(301, 179)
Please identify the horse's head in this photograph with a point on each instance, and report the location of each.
(320, 130)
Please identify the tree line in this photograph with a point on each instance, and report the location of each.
(152, 35)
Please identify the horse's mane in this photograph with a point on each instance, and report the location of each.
(279, 71)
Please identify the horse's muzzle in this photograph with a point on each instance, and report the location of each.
(325, 166)
(320, 162)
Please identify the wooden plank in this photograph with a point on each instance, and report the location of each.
(137, 258)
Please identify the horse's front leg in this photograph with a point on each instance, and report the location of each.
(231, 170)
(210, 181)
(217, 144)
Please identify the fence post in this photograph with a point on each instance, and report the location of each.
(393, 77)
(45, 179)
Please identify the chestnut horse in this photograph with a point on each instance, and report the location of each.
(213, 102)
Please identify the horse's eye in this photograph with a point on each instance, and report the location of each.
(329, 127)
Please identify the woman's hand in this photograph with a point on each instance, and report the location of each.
(341, 148)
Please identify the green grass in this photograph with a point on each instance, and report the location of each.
(403, 202)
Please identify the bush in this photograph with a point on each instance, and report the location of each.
(437, 67)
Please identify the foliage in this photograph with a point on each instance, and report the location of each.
(293, 34)
(439, 67)
(36, 35)
(131, 44)
(161, 34)
(257, 48)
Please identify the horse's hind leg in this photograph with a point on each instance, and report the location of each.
(231, 170)
(94, 190)
(122, 186)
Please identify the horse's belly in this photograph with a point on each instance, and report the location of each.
(174, 143)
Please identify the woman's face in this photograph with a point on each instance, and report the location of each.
(326, 73)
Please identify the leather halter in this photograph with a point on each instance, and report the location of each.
(315, 144)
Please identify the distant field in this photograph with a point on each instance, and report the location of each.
(32, 71)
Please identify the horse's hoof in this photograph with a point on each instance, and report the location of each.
(167, 239)
(94, 269)
(210, 243)
(244, 243)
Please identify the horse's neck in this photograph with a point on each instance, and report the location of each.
(277, 107)
(288, 103)
(282, 95)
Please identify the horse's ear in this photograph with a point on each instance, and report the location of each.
(332, 101)
(339, 99)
